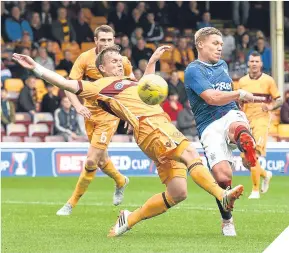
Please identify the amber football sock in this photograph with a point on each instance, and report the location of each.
(83, 182)
(112, 172)
(154, 206)
(256, 173)
(202, 177)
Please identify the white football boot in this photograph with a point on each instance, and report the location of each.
(228, 228)
(121, 225)
(118, 193)
(65, 210)
(254, 195)
(266, 182)
(230, 196)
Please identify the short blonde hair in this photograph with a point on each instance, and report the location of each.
(205, 32)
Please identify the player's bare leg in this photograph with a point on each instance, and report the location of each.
(107, 167)
(177, 192)
(239, 133)
(93, 161)
(222, 172)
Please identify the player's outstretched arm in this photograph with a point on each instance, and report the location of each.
(46, 74)
(151, 67)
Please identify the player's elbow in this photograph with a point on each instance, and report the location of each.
(211, 100)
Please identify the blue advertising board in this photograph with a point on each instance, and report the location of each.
(68, 159)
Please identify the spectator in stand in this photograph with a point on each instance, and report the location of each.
(66, 121)
(7, 109)
(135, 20)
(49, 102)
(192, 15)
(284, 115)
(265, 53)
(245, 7)
(186, 122)
(44, 60)
(229, 44)
(119, 18)
(241, 30)
(5, 72)
(72, 8)
(50, 50)
(62, 30)
(83, 31)
(25, 12)
(176, 14)
(136, 35)
(138, 74)
(101, 8)
(206, 21)
(154, 32)
(239, 67)
(124, 42)
(45, 14)
(40, 32)
(245, 46)
(142, 65)
(142, 8)
(66, 63)
(27, 98)
(177, 86)
(15, 26)
(128, 53)
(141, 52)
(20, 72)
(172, 106)
(4, 16)
(25, 41)
(162, 13)
(182, 55)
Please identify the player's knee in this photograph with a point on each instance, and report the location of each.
(180, 195)
(91, 164)
(225, 181)
(102, 162)
(189, 154)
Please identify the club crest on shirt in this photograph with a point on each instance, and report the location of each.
(118, 86)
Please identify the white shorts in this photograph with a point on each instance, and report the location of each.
(215, 139)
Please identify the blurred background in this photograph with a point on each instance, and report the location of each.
(30, 106)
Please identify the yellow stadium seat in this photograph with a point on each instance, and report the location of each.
(151, 46)
(14, 84)
(62, 72)
(283, 131)
(87, 14)
(40, 90)
(86, 46)
(181, 75)
(99, 20)
(165, 67)
(55, 91)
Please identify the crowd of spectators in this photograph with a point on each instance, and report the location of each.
(31, 28)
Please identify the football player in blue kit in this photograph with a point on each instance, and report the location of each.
(221, 126)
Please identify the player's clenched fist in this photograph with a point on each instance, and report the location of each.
(249, 97)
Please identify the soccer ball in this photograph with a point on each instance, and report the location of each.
(152, 89)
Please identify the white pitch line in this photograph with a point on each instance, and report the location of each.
(186, 207)
(280, 244)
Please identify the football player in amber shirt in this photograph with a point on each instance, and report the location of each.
(258, 114)
(100, 126)
(154, 133)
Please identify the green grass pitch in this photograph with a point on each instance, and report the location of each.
(29, 223)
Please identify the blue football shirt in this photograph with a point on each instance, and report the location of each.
(200, 76)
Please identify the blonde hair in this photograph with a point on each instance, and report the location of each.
(205, 32)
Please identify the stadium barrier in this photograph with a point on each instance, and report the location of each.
(67, 159)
